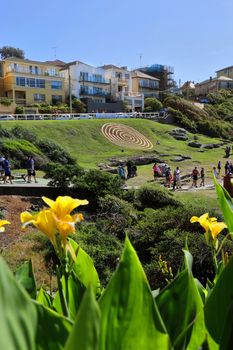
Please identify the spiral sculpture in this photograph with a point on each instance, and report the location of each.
(126, 136)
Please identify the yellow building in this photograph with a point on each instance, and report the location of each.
(27, 82)
(145, 84)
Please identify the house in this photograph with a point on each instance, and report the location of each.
(122, 89)
(212, 85)
(27, 82)
(145, 84)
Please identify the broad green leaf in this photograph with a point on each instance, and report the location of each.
(18, 317)
(227, 337)
(84, 268)
(129, 316)
(25, 276)
(218, 303)
(52, 329)
(226, 205)
(44, 298)
(181, 307)
(73, 293)
(85, 333)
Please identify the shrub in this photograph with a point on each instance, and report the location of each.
(103, 248)
(55, 153)
(95, 184)
(155, 196)
(5, 101)
(115, 216)
(61, 175)
(152, 104)
(25, 134)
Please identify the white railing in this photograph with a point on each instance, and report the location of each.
(79, 116)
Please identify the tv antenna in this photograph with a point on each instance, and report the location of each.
(55, 52)
(140, 58)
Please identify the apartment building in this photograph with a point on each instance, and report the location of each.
(212, 85)
(121, 87)
(145, 84)
(164, 74)
(27, 82)
(86, 81)
(225, 72)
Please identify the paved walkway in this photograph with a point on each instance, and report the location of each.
(19, 182)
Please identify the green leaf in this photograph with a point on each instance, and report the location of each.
(226, 205)
(227, 337)
(73, 294)
(218, 303)
(85, 333)
(129, 316)
(181, 307)
(44, 298)
(25, 277)
(84, 268)
(18, 317)
(52, 329)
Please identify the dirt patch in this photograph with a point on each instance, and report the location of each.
(12, 207)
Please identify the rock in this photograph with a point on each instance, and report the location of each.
(194, 144)
(180, 158)
(212, 145)
(138, 160)
(180, 137)
(108, 168)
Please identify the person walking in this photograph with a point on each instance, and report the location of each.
(202, 177)
(195, 174)
(177, 175)
(7, 171)
(215, 172)
(33, 173)
(219, 166)
(121, 172)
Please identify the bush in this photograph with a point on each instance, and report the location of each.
(152, 105)
(155, 196)
(25, 134)
(55, 153)
(104, 249)
(5, 101)
(61, 175)
(95, 184)
(115, 216)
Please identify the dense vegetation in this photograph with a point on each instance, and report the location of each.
(214, 120)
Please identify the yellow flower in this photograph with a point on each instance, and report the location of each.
(63, 205)
(2, 223)
(216, 227)
(66, 225)
(209, 224)
(44, 221)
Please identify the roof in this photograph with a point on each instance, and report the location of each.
(46, 63)
(188, 85)
(215, 79)
(224, 69)
(139, 74)
(58, 63)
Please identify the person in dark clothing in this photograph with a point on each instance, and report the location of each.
(7, 171)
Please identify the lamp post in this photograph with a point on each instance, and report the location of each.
(70, 97)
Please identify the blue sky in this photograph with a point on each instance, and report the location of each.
(193, 36)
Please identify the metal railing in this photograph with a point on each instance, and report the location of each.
(85, 116)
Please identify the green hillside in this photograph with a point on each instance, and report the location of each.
(85, 142)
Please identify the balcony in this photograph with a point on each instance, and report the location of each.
(92, 80)
(148, 86)
(96, 93)
(27, 70)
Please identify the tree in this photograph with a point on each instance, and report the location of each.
(152, 105)
(9, 51)
(79, 106)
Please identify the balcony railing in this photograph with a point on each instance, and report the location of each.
(96, 93)
(26, 70)
(93, 80)
(151, 87)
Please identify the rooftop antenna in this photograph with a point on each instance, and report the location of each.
(55, 52)
(140, 59)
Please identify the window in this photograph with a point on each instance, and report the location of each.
(126, 75)
(83, 76)
(56, 99)
(40, 83)
(20, 81)
(56, 84)
(39, 97)
(30, 82)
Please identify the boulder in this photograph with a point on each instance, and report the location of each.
(194, 144)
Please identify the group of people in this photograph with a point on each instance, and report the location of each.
(131, 170)
(173, 179)
(5, 170)
(30, 167)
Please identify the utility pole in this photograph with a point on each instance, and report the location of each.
(70, 96)
(55, 52)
